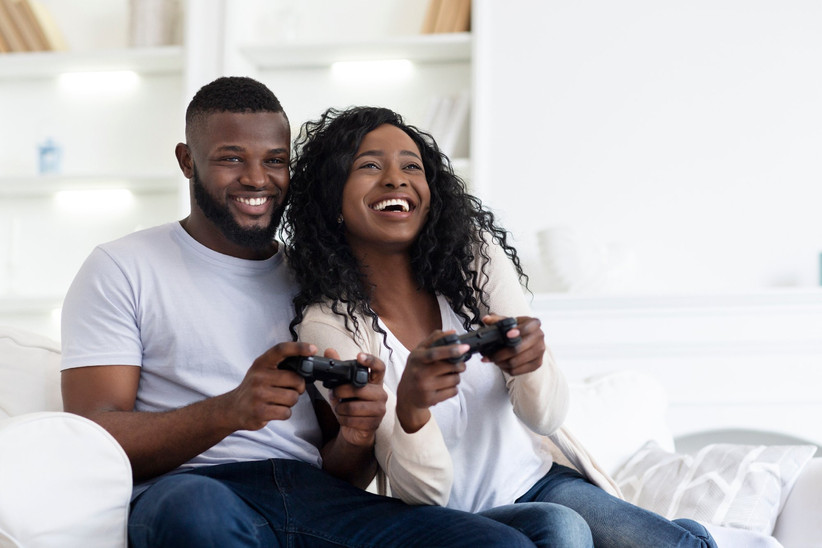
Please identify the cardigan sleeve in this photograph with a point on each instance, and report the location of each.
(540, 398)
(418, 465)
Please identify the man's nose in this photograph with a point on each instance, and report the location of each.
(254, 175)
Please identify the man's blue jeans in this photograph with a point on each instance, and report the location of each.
(614, 522)
(289, 503)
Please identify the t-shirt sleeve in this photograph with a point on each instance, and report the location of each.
(99, 324)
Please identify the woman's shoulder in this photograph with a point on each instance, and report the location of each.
(320, 321)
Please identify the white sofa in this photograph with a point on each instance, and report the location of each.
(65, 482)
(754, 495)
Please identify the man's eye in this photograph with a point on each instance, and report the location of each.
(230, 159)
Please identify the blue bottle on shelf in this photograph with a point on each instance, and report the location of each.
(49, 157)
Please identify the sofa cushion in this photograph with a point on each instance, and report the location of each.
(742, 486)
(799, 519)
(65, 482)
(615, 414)
(29, 373)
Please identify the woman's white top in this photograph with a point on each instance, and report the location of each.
(493, 454)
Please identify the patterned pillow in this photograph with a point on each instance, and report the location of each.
(741, 486)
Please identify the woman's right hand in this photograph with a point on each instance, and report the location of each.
(428, 379)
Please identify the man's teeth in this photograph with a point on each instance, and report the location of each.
(395, 202)
(252, 201)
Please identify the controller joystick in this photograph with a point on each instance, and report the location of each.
(485, 340)
(330, 371)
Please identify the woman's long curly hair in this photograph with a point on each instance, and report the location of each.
(443, 255)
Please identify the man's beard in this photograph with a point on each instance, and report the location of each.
(256, 238)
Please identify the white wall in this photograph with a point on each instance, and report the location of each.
(686, 134)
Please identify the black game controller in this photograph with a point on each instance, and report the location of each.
(331, 372)
(485, 340)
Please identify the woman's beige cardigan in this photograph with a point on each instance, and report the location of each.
(418, 466)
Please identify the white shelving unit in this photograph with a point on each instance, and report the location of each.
(46, 185)
(47, 64)
(42, 242)
(301, 74)
(430, 48)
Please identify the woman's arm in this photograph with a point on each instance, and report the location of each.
(418, 465)
(540, 397)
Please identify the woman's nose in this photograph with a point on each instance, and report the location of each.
(393, 177)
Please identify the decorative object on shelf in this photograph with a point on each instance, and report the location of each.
(155, 23)
(49, 157)
(574, 263)
(447, 16)
(25, 25)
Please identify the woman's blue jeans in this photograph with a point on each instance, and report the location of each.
(290, 503)
(613, 522)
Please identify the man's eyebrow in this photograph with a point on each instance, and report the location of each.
(238, 148)
(230, 148)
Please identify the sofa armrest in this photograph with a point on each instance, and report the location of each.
(798, 525)
(66, 482)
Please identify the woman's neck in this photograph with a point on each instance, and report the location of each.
(411, 313)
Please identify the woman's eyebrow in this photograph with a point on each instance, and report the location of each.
(369, 153)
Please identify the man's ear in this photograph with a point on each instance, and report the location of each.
(184, 160)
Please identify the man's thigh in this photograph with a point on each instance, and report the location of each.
(300, 505)
(192, 510)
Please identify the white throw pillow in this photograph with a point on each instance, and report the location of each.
(29, 373)
(741, 486)
(615, 414)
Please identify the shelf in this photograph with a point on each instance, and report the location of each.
(46, 64)
(43, 185)
(429, 48)
(29, 305)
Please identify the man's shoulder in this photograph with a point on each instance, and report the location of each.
(139, 239)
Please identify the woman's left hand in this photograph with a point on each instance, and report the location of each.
(528, 354)
(360, 410)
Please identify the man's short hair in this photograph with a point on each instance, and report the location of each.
(231, 94)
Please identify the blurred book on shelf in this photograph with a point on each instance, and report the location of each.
(447, 16)
(26, 25)
(155, 22)
(447, 121)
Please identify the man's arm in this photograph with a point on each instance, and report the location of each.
(160, 442)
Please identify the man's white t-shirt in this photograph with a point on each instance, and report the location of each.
(194, 320)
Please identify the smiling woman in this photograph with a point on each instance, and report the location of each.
(418, 259)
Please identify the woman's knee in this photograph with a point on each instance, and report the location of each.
(698, 531)
(545, 523)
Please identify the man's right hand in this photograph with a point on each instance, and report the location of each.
(266, 392)
(428, 379)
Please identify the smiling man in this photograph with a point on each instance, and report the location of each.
(172, 337)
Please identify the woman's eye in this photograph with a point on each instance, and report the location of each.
(413, 166)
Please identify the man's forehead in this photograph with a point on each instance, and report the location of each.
(227, 125)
